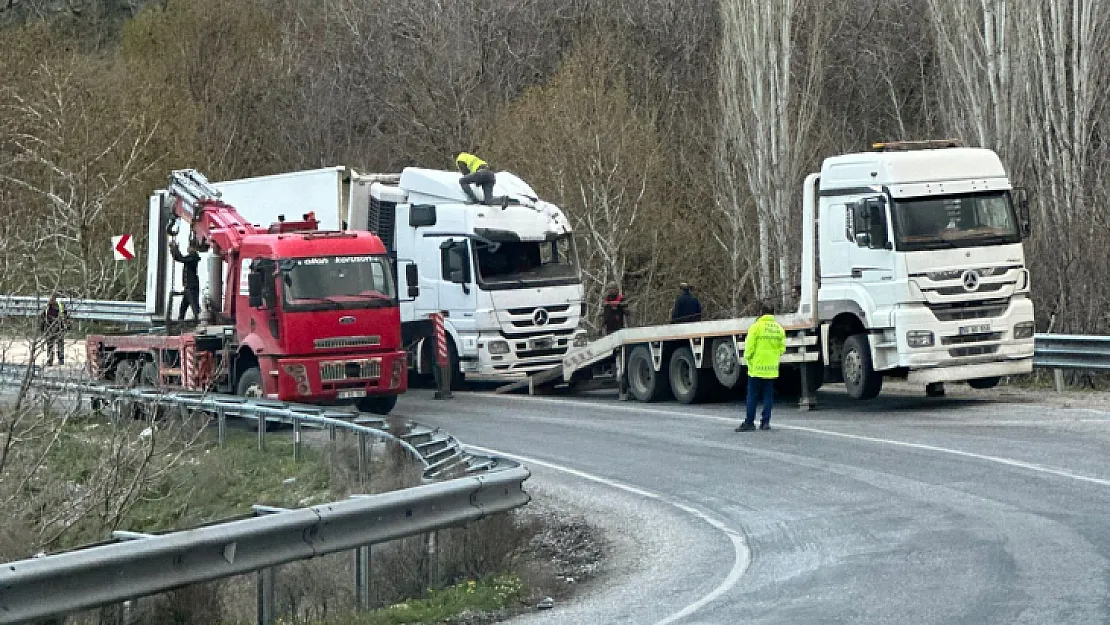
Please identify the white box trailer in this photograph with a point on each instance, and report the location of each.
(912, 267)
(501, 319)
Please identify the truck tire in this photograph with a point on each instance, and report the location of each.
(726, 366)
(644, 382)
(689, 384)
(984, 383)
(250, 383)
(378, 404)
(860, 378)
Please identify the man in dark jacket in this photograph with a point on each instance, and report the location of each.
(53, 323)
(189, 279)
(614, 311)
(687, 308)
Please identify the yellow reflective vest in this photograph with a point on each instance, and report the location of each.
(763, 347)
(472, 162)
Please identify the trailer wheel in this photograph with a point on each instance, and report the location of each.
(645, 383)
(984, 383)
(725, 364)
(689, 384)
(860, 378)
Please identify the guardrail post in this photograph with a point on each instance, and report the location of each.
(261, 433)
(363, 460)
(296, 439)
(1058, 378)
(221, 426)
(362, 577)
(433, 559)
(266, 596)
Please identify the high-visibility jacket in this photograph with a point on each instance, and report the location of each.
(763, 347)
(472, 162)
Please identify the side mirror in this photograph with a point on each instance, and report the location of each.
(1021, 202)
(412, 277)
(254, 289)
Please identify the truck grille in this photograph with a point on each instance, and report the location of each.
(983, 288)
(976, 350)
(347, 341)
(971, 338)
(958, 311)
(351, 370)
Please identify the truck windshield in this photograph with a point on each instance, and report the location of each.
(970, 220)
(337, 282)
(527, 263)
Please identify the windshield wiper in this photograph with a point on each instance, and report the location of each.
(298, 301)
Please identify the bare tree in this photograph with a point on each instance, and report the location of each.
(769, 87)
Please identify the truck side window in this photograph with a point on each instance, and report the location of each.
(455, 261)
(266, 267)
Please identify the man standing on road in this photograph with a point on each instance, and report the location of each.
(53, 323)
(614, 311)
(763, 347)
(189, 279)
(687, 308)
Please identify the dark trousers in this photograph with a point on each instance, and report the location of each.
(483, 177)
(757, 387)
(189, 299)
(55, 343)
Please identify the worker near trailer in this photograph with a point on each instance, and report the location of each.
(687, 308)
(614, 310)
(475, 171)
(190, 279)
(53, 323)
(764, 346)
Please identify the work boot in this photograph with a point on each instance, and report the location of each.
(746, 427)
(764, 426)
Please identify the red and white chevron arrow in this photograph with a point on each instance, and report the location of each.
(123, 247)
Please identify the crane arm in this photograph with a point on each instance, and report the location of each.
(212, 221)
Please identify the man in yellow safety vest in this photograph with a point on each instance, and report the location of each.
(764, 345)
(475, 171)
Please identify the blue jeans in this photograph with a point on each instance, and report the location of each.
(757, 387)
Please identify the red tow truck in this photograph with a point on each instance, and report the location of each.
(294, 313)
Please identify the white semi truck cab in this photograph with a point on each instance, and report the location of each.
(922, 273)
(506, 276)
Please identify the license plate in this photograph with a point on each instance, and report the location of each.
(980, 329)
(359, 392)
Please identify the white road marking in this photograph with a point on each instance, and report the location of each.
(1009, 462)
(741, 554)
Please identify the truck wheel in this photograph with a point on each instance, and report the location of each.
(860, 377)
(689, 384)
(725, 364)
(984, 383)
(250, 383)
(644, 382)
(379, 404)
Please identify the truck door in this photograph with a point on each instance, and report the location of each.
(872, 258)
(456, 289)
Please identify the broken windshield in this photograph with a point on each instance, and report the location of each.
(337, 282)
(527, 263)
(954, 221)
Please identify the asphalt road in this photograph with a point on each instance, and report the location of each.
(901, 510)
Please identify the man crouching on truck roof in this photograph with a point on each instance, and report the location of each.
(764, 345)
(475, 171)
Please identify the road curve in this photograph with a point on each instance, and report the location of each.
(904, 509)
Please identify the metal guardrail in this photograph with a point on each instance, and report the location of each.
(61, 584)
(148, 564)
(1071, 351)
(438, 451)
(88, 309)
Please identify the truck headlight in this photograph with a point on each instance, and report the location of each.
(919, 338)
(580, 340)
(300, 375)
(1023, 330)
(498, 347)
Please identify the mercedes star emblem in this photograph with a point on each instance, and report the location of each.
(970, 280)
(540, 317)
